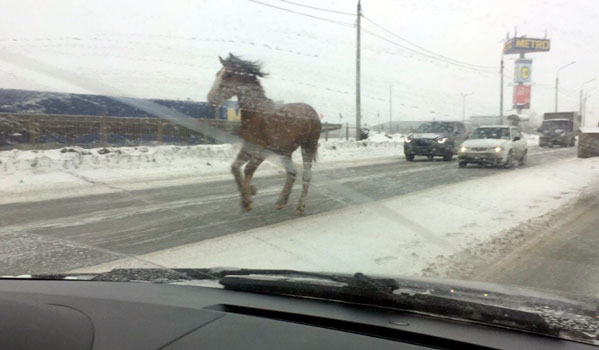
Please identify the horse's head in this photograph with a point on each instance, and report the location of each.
(235, 75)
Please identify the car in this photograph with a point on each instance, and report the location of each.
(436, 138)
(495, 145)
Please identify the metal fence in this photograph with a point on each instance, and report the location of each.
(52, 131)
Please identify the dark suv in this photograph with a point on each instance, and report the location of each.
(437, 138)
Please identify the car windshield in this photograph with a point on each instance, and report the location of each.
(555, 124)
(274, 134)
(437, 127)
(491, 133)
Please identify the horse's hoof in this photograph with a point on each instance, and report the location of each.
(281, 206)
(253, 190)
(299, 212)
(247, 206)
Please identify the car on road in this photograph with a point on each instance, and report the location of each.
(559, 128)
(436, 138)
(494, 145)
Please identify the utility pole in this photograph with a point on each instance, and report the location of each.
(584, 110)
(464, 105)
(358, 106)
(501, 91)
(584, 107)
(581, 93)
(390, 106)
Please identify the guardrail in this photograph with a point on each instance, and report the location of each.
(34, 131)
(50, 131)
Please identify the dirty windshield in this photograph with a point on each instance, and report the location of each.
(491, 133)
(438, 127)
(325, 136)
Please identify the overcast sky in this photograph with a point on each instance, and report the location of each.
(169, 49)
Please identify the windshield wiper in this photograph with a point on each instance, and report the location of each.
(538, 314)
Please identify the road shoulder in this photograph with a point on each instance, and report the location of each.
(557, 251)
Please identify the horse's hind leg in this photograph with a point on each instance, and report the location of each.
(291, 174)
(246, 187)
(306, 177)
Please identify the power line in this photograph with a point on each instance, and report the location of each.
(461, 65)
(318, 8)
(345, 24)
(426, 50)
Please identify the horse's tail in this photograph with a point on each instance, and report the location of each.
(310, 149)
(310, 144)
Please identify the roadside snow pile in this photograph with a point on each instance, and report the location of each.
(531, 139)
(75, 158)
(403, 235)
(341, 150)
(378, 138)
(71, 171)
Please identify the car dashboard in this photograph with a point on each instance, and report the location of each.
(70, 314)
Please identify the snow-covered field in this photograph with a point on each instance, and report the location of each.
(71, 171)
(401, 235)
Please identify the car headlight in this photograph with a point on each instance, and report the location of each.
(498, 149)
(442, 140)
(408, 140)
(463, 149)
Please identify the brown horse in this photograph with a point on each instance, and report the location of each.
(266, 128)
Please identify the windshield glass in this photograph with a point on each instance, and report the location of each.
(438, 127)
(491, 133)
(262, 134)
(555, 124)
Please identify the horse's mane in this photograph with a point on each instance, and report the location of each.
(246, 66)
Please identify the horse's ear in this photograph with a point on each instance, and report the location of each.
(221, 60)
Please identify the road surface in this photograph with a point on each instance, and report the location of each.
(564, 257)
(64, 234)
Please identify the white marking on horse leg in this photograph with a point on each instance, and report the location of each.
(306, 177)
(241, 159)
(246, 191)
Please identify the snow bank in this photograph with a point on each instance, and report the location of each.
(531, 139)
(402, 235)
(71, 171)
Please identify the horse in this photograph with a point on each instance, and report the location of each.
(266, 128)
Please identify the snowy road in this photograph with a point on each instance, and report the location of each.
(64, 234)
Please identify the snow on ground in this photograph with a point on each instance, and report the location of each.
(70, 171)
(531, 139)
(401, 235)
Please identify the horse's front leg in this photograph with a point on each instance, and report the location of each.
(246, 188)
(241, 159)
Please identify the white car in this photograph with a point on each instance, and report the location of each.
(496, 145)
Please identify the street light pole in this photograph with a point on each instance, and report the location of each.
(584, 108)
(557, 82)
(464, 104)
(581, 93)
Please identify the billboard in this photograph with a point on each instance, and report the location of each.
(524, 45)
(521, 99)
(522, 71)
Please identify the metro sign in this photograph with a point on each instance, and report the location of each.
(524, 45)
